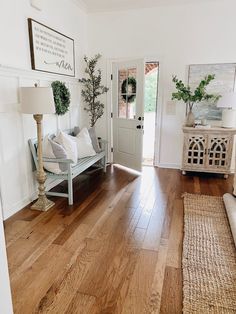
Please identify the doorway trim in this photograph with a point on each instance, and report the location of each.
(5, 289)
(159, 107)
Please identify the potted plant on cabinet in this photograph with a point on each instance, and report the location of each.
(190, 98)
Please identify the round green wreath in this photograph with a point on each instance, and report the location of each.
(61, 97)
(124, 89)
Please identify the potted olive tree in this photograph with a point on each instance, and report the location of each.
(190, 98)
(93, 89)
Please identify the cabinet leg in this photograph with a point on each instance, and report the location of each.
(226, 176)
(183, 172)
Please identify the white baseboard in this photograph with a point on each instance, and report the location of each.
(26, 201)
(169, 166)
(176, 166)
(7, 213)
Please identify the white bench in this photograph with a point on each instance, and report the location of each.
(73, 171)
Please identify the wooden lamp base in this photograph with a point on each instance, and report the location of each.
(42, 204)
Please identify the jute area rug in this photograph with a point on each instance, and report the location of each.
(209, 257)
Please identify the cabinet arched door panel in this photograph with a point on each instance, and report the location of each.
(219, 150)
(195, 145)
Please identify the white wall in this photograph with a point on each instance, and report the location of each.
(62, 15)
(178, 35)
(16, 177)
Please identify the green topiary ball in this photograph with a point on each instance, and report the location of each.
(61, 97)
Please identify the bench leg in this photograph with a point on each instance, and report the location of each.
(70, 187)
(70, 192)
(104, 164)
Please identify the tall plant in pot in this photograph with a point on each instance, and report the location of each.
(190, 98)
(93, 89)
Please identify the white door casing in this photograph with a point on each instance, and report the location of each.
(5, 291)
(128, 115)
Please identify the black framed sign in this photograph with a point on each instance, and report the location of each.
(50, 50)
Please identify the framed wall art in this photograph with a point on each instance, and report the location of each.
(50, 50)
(224, 82)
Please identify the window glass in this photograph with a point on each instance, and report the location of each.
(127, 93)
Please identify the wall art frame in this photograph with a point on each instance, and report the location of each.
(50, 50)
(225, 78)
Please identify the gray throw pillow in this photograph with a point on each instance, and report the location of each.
(59, 152)
(76, 130)
(94, 140)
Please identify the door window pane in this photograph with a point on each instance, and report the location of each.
(132, 72)
(122, 107)
(122, 103)
(127, 93)
(131, 107)
(123, 76)
(131, 93)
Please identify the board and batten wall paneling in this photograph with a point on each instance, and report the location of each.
(17, 181)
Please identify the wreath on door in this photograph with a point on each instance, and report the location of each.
(128, 89)
(61, 97)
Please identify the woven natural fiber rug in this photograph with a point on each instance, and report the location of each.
(209, 257)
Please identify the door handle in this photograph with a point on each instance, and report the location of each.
(138, 127)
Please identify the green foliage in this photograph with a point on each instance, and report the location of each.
(185, 94)
(151, 92)
(61, 97)
(93, 89)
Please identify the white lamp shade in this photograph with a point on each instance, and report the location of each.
(228, 100)
(37, 100)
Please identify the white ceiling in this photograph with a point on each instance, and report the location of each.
(114, 5)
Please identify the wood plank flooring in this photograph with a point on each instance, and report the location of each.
(116, 250)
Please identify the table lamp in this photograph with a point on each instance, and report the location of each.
(228, 102)
(39, 101)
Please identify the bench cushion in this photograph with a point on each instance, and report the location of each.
(84, 144)
(69, 145)
(49, 153)
(93, 136)
(94, 139)
(59, 153)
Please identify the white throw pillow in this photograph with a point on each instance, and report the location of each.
(69, 145)
(84, 144)
(48, 153)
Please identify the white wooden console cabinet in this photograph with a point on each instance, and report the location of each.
(207, 150)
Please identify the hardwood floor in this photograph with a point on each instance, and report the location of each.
(116, 250)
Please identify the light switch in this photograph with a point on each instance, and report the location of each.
(171, 108)
(37, 4)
